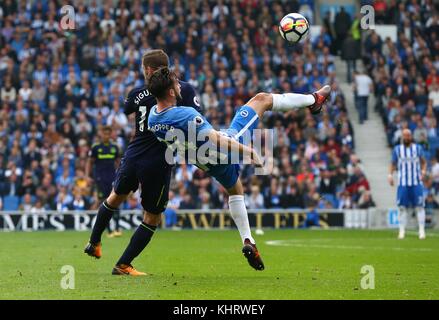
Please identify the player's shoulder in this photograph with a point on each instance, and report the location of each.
(174, 113)
(95, 145)
(185, 85)
(138, 94)
(136, 90)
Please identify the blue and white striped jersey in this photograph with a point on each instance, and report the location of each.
(408, 162)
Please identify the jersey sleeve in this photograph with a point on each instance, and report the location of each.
(129, 106)
(190, 98)
(93, 153)
(394, 156)
(189, 119)
(117, 154)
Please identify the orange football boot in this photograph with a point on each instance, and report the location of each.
(94, 250)
(126, 270)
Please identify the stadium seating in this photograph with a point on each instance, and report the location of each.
(410, 61)
(52, 78)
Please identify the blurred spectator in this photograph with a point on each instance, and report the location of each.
(255, 200)
(312, 217)
(27, 203)
(363, 86)
(365, 201)
(170, 211)
(342, 24)
(350, 52)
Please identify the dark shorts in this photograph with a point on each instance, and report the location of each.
(152, 172)
(104, 187)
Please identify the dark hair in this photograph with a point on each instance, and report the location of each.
(161, 81)
(106, 128)
(155, 58)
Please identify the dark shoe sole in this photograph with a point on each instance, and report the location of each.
(91, 253)
(249, 253)
(117, 272)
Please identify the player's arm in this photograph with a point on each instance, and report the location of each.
(392, 167)
(90, 163)
(129, 106)
(423, 164)
(117, 160)
(223, 141)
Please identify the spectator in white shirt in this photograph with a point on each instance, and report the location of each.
(433, 98)
(363, 86)
(255, 200)
(25, 92)
(117, 119)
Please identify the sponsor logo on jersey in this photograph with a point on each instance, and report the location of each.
(197, 103)
(244, 113)
(198, 121)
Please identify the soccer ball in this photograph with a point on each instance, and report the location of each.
(293, 27)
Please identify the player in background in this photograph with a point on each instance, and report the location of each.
(408, 159)
(143, 163)
(103, 160)
(166, 117)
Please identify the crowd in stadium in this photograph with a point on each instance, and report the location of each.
(405, 73)
(58, 87)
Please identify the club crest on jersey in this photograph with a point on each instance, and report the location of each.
(197, 103)
(244, 113)
(198, 121)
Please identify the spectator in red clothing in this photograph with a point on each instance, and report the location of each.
(333, 145)
(432, 77)
(358, 180)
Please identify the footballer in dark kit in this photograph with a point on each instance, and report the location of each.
(143, 163)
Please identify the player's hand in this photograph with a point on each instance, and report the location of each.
(423, 175)
(256, 159)
(390, 179)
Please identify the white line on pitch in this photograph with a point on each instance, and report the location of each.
(298, 243)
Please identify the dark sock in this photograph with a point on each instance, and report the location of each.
(103, 217)
(138, 242)
(116, 218)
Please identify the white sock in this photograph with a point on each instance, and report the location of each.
(239, 215)
(402, 219)
(420, 213)
(290, 101)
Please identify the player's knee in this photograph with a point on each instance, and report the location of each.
(115, 200)
(263, 98)
(152, 218)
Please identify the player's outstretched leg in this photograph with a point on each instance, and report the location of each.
(420, 213)
(239, 214)
(138, 242)
(105, 213)
(289, 101)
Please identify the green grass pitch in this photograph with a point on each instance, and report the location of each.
(188, 264)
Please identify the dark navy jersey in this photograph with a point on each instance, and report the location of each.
(104, 155)
(140, 101)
